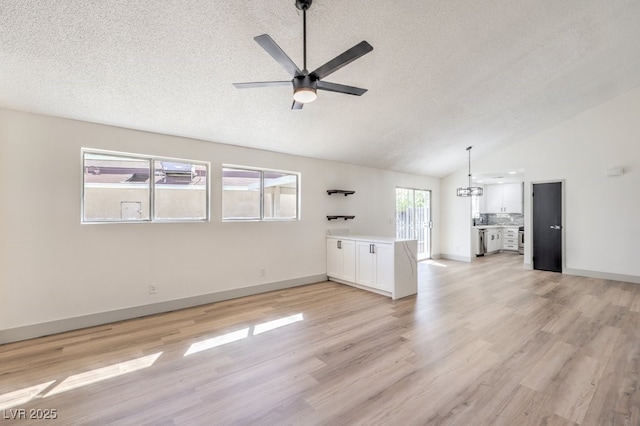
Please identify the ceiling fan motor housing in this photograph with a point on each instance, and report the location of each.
(303, 4)
(305, 81)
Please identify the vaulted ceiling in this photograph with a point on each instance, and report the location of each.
(443, 75)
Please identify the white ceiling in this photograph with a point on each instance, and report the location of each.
(443, 75)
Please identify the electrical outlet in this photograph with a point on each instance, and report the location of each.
(153, 289)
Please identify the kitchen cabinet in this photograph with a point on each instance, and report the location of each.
(493, 198)
(494, 240)
(374, 265)
(382, 265)
(512, 197)
(341, 259)
(503, 198)
(510, 238)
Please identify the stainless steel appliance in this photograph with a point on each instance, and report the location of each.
(521, 240)
(481, 242)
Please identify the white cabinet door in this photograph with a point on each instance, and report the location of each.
(494, 241)
(384, 260)
(334, 258)
(348, 260)
(503, 198)
(364, 264)
(341, 259)
(482, 201)
(512, 197)
(491, 244)
(375, 265)
(494, 199)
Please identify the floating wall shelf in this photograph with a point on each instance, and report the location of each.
(340, 191)
(340, 217)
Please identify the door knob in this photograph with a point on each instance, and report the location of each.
(555, 227)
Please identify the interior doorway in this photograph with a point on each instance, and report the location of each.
(547, 226)
(413, 218)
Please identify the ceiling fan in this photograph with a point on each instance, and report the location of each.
(306, 83)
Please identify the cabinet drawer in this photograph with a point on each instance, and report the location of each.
(510, 240)
(510, 233)
(510, 247)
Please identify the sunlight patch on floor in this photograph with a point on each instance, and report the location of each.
(22, 396)
(104, 373)
(234, 336)
(217, 341)
(434, 263)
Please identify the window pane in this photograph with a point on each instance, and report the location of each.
(280, 195)
(116, 188)
(240, 194)
(180, 191)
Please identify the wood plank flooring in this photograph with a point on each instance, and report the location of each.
(486, 343)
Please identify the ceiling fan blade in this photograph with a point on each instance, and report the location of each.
(340, 88)
(261, 84)
(343, 59)
(297, 105)
(278, 54)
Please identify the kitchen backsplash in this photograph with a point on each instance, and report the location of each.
(513, 219)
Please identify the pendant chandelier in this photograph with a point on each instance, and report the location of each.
(469, 191)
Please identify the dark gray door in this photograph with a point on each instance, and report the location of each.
(547, 226)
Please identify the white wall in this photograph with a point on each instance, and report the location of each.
(456, 218)
(602, 214)
(53, 267)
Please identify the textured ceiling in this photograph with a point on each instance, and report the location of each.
(443, 74)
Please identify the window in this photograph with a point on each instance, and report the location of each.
(241, 194)
(280, 195)
(254, 194)
(117, 188)
(180, 191)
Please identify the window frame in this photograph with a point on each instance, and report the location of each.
(151, 159)
(262, 172)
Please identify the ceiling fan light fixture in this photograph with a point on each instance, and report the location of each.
(304, 95)
(304, 89)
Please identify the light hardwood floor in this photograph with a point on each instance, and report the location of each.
(482, 343)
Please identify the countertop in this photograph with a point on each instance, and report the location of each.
(496, 226)
(369, 238)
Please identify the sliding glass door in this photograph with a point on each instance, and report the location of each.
(413, 218)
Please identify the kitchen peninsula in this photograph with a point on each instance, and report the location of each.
(386, 266)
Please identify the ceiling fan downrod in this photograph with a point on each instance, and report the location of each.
(303, 5)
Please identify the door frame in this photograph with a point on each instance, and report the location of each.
(528, 237)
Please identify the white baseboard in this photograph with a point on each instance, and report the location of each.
(76, 323)
(596, 274)
(603, 275)
(455, 257)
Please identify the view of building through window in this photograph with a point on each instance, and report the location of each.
(117, 188)
(250, 194)
(180, 191)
